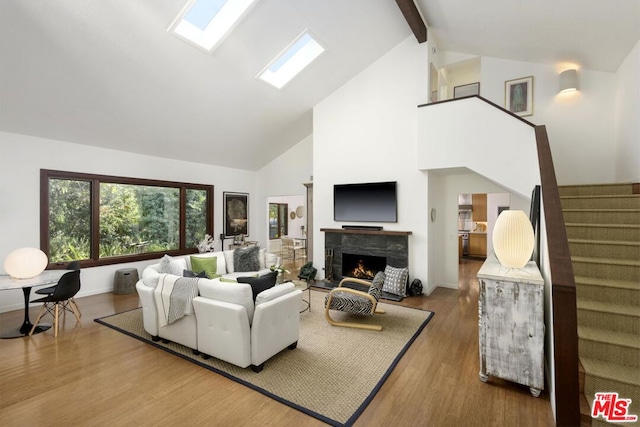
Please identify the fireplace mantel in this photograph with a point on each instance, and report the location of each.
(365, 231)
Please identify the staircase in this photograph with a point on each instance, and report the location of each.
(603, 228)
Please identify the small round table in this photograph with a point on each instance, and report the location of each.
(304, 286)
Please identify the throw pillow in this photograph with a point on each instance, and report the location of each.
(246, 259)
(259, 284)
(189, 273)
(228, 280)
(228, 260)
(170, 265)
(395, 281)
(207, 264)
(165, 265)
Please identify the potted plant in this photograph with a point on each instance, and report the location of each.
(208, 244)
(281, 271)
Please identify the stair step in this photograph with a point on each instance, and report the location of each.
(611, 268)
(605, 248)
(623, 201)
(606, 345)
(624, 232)
(603, 216)
(611, 371)
(605, 335)
(607, 290)
(619, 318)
(597, 189)
(625, 310)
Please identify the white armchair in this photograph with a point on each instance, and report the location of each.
(231, 329)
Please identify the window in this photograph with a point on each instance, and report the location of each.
(105, 220)
(206, 22)
(278, 223)
(304, 50)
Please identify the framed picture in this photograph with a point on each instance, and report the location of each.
(236, 214)
(466, 90)
(518, 96)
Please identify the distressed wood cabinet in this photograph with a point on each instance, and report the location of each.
(511, 324)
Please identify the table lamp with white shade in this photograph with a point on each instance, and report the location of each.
(513, 239)
(25, 263)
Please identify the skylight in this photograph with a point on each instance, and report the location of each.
(206, 22)
(293, 60)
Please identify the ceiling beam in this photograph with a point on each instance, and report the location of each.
(412, 15)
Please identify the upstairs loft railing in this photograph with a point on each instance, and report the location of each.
(563, 288)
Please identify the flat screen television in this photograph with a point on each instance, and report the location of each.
(368, 202)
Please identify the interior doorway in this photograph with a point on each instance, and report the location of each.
(477, 215)
(286, 218)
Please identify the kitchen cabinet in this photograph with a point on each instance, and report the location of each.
(511, 323)
(479, 210)
(478, 244)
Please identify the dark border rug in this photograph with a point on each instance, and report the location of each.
(334, 372)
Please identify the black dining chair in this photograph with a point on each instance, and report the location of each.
(65, 290)
(73, 265)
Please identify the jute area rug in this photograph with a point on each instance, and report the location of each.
(333, 373)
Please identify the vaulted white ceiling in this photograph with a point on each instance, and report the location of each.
(107, 73)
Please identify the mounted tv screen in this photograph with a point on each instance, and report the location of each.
(370, 202)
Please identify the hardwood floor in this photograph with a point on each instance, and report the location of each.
(92, 375)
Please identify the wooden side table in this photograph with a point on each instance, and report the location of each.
(511, 323)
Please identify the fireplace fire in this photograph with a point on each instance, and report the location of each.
(362, 266)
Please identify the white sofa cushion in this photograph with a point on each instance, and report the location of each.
(274, 292)
(235, 293)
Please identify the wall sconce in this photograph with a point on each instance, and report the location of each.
(24, 263)
(513, 239)
(568, 81)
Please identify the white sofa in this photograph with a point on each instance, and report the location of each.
(230, 328)
(222, 324)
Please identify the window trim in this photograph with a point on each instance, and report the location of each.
(95, 180)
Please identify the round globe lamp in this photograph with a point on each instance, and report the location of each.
(24, 263)
(513, 239)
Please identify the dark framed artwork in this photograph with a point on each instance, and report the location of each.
(466, 90)
(236, 214)
(518, 96)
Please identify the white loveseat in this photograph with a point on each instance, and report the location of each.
(226, 322)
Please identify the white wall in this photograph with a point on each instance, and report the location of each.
(366, 132)
(463, 134)
(579, 124)
(627, 125)
(22, 157)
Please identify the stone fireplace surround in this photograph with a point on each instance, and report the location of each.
(394, 245)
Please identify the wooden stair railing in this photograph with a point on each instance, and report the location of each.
(563, 291)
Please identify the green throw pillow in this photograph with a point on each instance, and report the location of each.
(207, 264)
(228, 280)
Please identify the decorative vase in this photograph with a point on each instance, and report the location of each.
(513, 239)
(279, 278)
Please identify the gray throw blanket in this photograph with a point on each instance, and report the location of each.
(174, 297)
